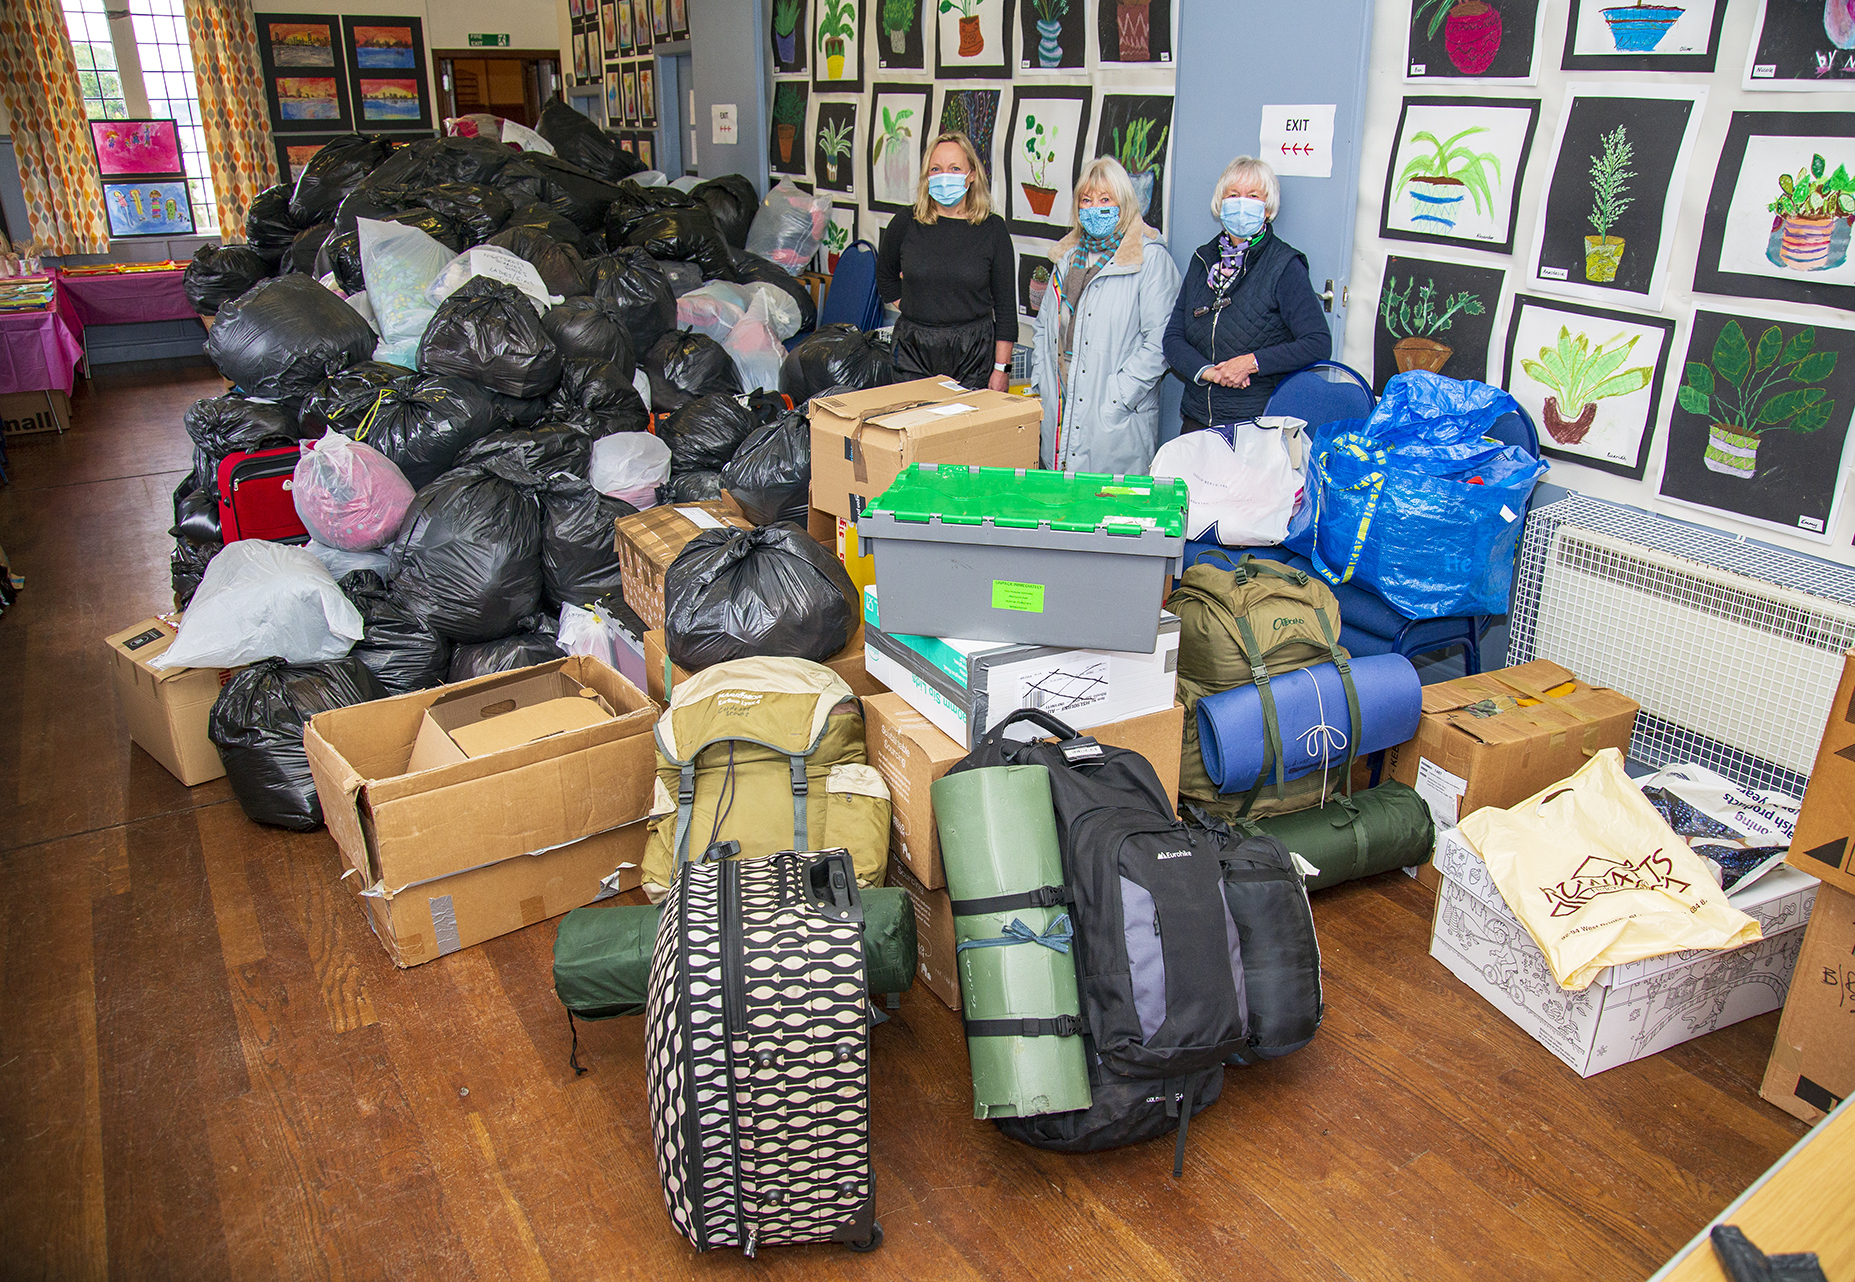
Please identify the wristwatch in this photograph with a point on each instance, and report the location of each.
(1000, 366)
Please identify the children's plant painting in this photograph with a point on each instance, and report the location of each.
(1746, 390)
(897, 125)
(1443, 174)
(1610, 197)
(1471, 31)
(837, 124)
(1493, 41)
(1578, 373)
(1417, 316)
(836, 38)
(1053, 34)
(1813, 213)
(787, 47)
(900, 20)
(1049, 132)
(1039, 152)
(972, 39)
(1590, 377)
(1793, 47)
(1454, 175)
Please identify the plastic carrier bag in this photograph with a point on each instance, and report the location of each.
(262, 600)
(348, 494)
(400, 263)
(1598, 878)
(754, 346)
(789, 225)
(630, 466)
(1418, 504)
(1243, 488)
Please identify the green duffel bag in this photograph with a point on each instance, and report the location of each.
(602, 955)
(1372, 831)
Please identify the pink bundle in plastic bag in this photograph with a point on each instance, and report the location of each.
(349, 495)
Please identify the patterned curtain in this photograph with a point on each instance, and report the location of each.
(233, 113)
(57, 167)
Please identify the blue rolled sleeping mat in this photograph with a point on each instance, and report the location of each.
(1307, 713)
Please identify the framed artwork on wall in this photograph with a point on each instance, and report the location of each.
(1495, 42)
(1436, 315)
(630, 82)
(1134, 31)
(1136, 129)
(834, 141)
(148, 207)
(614, 96)
(788, 153)
(647, 94)
(837, 46)
(294, 152)
(900, 45)
(305, 78)
(1590, 377)
(1782, 208)
(1611, 35)
(974, 112)
(1053, 35)
(972, 39)
(840, 233)
(386, 65)
(1043, 155)
(627, 40)
(791, 36)
(898, 131)
(1034, 271)
(1801, 46)
(136, 148)
(1456, 171)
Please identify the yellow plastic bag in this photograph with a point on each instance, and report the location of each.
(1598, 878)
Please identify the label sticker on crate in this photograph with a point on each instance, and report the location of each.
(1026, 597)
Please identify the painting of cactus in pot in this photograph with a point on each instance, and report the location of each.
(1436, 315)
(1495, 41)
(1455, 173)
(1033, 283)
(1613, 193)
(1043, 154)
(1136, 129)
(1644, 35)
(837, 45)
(833, 144)
(1802, 45)
(1052, 34)
(1761, 419)
(1782, 211)
(973, 38)
(1589, 377)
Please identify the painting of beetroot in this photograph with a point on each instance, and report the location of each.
(1473, 39)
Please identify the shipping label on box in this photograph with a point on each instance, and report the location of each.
(1628, 1011)
(649, 541)
(167, 709)
(1824, 845)
(1812, 1066)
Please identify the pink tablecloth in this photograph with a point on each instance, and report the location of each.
(126, 299)
(39, 351)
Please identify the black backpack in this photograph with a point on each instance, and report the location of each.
(1228, 972)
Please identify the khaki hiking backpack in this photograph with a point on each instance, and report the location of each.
(1241, 626)
(769, 753)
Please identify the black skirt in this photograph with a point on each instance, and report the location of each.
(962, 352)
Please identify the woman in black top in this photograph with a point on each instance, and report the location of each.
(949, 265)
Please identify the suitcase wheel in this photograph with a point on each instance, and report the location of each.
(871, 1242)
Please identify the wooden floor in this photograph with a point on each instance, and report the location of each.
(208, 1067)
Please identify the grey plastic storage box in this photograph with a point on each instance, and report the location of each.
(1071, 559)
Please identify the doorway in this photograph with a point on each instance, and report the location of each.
(508, 83)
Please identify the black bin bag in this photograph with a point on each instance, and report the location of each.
(233, 424)
(770, 475)
(282, 337)
(342, 400)
(403, 654)
(630, 279)
(336, 169)
(732, 202)
(685, 236)
(216, 276)
(598, 398)
(341, 254)
(187, 566)
(544, 449)
(431, 161)
(269, 229)
(591, 329)
(467, 559)
(257, 725)
(196, 515)
(835, 356)
(578, 141)
(683, 365)
(488, 332)
(549, 222)
(505, 654)
(704, 434)
(423, 424)
(691, 487)
(579, 561)
(560, 266)
(771, 591)
(477, 210)
(305, 249)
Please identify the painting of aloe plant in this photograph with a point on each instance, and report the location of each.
(789, 42)
(1136, 129)
(1761, 420)
(833, 142)
(1455, 172)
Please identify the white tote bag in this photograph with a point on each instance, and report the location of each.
(1244, 491)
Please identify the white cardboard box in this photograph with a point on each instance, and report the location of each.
(1629, 1011)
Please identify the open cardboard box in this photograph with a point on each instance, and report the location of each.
(166, 708)
(507, 712)
(847, 663)
(449, 856)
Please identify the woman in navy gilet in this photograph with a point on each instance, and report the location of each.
(1247, 313)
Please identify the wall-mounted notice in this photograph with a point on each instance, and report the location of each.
(1298, 140)
(722, 119)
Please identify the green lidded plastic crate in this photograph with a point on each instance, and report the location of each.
(1074, 559)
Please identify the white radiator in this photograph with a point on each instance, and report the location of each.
(1710, 654)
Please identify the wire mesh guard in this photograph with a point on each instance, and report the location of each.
(1733, 649)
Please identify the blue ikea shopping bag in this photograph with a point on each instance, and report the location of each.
(1418, 503)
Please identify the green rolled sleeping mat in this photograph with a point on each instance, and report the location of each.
(1373, 831)
(602, 955)
(998, 845)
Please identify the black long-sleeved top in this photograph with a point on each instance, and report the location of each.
(950, 272)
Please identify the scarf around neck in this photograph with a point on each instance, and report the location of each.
(1229, 264)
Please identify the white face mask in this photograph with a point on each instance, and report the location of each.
(1243, 216)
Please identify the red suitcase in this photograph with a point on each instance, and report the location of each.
(254, 496)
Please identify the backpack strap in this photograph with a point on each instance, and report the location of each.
(1042, 897)
(685, 806)
(1060, 1026)
(1272, 727)
(800, 789)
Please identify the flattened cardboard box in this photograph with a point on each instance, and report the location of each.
(1478, 745)
(512, 820)
(861, 441)
(1824, 843)
(647, 542)
(1812, 1067)
(167, 709)
(910, 753)
(936, 962)
(847, 663)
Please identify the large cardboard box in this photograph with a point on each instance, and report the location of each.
(1812, 1066)
(647, 542)
(936, 962)
(1824, 843)
(847, 663)
(1629, 1011)
(910, 753)
(861, 441)
(166, 709)
(451, 856)
(1489, 740)
(22, 413)
(506, 712)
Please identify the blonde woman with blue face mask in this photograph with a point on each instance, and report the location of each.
(1098, 358)
(949, 266)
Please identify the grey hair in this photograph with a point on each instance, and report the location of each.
(1105, 173)
(1245, 167)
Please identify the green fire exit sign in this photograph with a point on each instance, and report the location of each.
(489, 40)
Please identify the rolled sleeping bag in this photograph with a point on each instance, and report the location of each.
(1311, 711)
(1373, 831)
(998, 844)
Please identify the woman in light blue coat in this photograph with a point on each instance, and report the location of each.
(1096, 359)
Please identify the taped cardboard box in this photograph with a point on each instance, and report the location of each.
(647, 542)
(936, 962)
(1824, 844)
(910, 753)
(167, 709)
(1497, 738)
(847, 663)
(861, 441)
(1812, 1066)
(448, 857)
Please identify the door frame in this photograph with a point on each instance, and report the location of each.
(440, 56)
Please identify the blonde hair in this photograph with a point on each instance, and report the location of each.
(978, 192)
(1106, 174)
(1244, 167)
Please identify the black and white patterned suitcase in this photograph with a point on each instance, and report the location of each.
(757, 1054)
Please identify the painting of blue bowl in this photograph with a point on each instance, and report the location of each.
(1640, 28)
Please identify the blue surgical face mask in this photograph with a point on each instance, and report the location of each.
(1099, 220)
(1243, 216)
(948, 189)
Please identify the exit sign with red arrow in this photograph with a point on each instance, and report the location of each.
(1297, 140)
